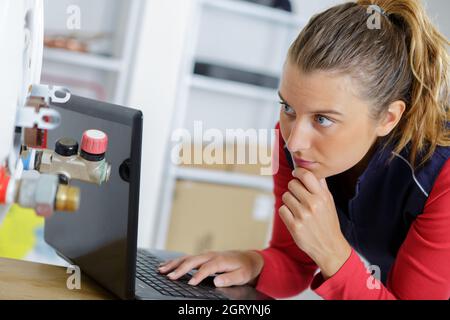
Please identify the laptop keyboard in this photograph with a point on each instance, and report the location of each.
(147, 271)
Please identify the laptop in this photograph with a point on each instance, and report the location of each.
(101, 237)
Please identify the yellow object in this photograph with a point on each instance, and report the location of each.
(18, 232)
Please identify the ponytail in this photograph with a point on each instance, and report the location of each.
(425, 119)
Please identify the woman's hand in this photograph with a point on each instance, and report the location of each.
(309, 214)
(237, 267)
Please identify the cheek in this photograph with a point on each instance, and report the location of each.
(342, 151)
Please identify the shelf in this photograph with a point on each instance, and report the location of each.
(233, 88)
(224, 177)
(256, 11)
(83, 59)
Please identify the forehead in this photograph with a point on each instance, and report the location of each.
(319, 89)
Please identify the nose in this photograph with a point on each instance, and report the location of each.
(300, 137)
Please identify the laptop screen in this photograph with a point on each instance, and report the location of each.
(101, 237)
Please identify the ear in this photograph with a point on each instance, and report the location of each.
(390, 118)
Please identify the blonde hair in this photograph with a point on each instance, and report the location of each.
(405, 59)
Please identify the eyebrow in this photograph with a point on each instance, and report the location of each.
(315, 111)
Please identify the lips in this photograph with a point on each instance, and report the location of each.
(303, 163)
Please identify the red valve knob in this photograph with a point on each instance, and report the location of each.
(94, 142)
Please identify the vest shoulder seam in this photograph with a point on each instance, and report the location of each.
(412, 173)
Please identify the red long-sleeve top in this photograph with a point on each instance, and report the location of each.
(421, 269)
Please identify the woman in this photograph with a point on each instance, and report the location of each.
(364, 122)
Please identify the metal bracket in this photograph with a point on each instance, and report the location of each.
(48, 93)
(45, 118)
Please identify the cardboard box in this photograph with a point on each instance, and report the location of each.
(216, 217)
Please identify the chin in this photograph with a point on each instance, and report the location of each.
(334, 172)
(326, 174)
(319, 174)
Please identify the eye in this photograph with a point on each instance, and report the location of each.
(287, 109)
(323, 121)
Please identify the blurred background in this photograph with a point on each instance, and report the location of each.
(180, 61)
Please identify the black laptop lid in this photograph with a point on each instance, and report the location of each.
(101, 237)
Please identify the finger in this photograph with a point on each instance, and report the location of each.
(287, 217)
(171, 264)
(323, 184)
(294, 206)
(164, 263)
(299, 191)
(308, 179)
(188, 265)
(211, 267)
(233, 278)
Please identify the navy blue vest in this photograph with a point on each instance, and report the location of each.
(388, 197)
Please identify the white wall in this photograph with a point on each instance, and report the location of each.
(153, 89)
(307, 8)
(439, 11)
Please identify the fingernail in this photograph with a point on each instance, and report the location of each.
(218, 282)
(293, 173)
(191, 282)
(172, 274)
